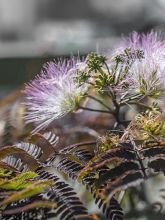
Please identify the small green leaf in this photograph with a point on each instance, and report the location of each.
(32, 190)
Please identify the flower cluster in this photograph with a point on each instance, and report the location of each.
(53, 93)
(147, 75)
(147, 126)
(136, 70)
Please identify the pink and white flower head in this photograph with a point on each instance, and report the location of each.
(53, 93)
(146, 75)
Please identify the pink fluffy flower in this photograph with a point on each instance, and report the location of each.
(53, 93)
(147, 75)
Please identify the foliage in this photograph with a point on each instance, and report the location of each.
(102, 172)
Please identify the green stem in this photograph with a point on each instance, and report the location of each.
(107, 68)
(101, 70)
(117, 111)
(99, 101)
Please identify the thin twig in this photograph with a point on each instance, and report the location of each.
(96, 110)
(140, 104)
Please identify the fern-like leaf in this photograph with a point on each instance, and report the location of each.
(69, 205)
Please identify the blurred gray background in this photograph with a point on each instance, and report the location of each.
(34, 31)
